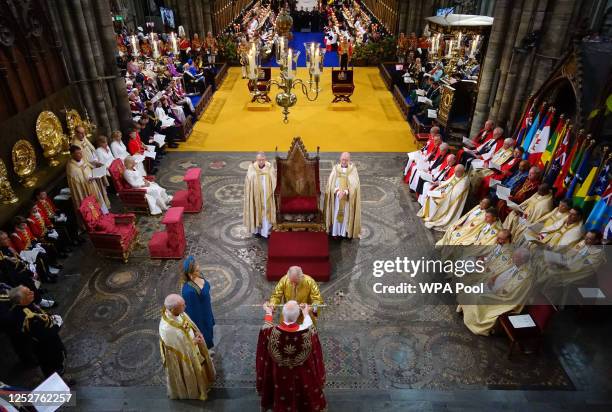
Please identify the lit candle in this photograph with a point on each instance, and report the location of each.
(317, 58)
(134, 46)
(252, 61)
(313, 61)
(450, 48)
(474, 46)
(289, 63)
(174, 43)
(155, 50)
(459, 40)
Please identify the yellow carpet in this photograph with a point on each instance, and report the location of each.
(375, 125)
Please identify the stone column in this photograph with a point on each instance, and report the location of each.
(403, 16)
(206, 8)
(489, 72)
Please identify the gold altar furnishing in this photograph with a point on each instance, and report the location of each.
(24, 162)
(50, 136)
(7, 195)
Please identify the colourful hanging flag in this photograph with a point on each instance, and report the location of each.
(526, 122)
(559, 157)
(582, 190)
(565, 177)
(553, 142)
(532, 131)
(540, 141)
(602, 212)
(583, 170)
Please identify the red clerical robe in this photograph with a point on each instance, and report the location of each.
(528, 188)
(290, 370)
(507, 169)
(482, 136)
(431, 151)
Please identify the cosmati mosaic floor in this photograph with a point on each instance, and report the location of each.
(111, 309)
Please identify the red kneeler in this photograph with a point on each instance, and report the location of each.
(169, 244)
(309, 250)
(190, 199)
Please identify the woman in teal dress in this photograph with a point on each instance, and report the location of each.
(196, 292)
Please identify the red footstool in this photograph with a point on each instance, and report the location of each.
(169, 244)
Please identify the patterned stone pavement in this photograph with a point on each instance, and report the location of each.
(370, 342)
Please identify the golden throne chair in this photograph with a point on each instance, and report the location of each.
(298, 190)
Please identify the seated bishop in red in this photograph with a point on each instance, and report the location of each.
(290, 370)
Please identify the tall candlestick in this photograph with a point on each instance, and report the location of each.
(450, 48)
(252, 61)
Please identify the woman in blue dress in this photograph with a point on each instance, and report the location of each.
(196, 292)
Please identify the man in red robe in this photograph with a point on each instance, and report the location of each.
(484, 134)
(521, 193)
(431, 151)
(289, 363)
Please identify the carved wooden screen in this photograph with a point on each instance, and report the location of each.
(386, 11)
(31, 66)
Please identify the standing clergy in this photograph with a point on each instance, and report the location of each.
(189, 369)
(342, 205)
(289, 362)
(444, 205)
(259, 209)
(89, 154)
(157, 198)
(296, 285)
(79, 173)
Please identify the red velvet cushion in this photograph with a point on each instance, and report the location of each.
(299, 204)
(106, 224)
(306, 245)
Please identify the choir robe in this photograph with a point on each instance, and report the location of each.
(499, 158)
(440, 212)
(189, 369)
(481, 137)
(439, 158)
(518, 196)
(156, 196)
(259, 207)
(423, 187)
(423, 154)
(199, 308)
(289, 368)
(508, 290)
(307, 291)
(533, 209)
(81, 185)
(507, 169)
(343, 216)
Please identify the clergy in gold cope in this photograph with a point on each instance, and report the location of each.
(561, 235)
(532, 209)
(444, 203)
(189, 369)
(342, 205)
(507, 289)
(296, 285)
(80, 180)
(259, 209)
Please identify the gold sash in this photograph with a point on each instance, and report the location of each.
(260, 194)
(342, 186)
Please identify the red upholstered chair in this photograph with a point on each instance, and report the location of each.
(190, 199)
(133, 199)
(113, 235)
(169, 244)
(541, 312)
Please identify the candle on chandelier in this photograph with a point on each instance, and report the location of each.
(312, 55)
(289, 63)
(474, 46)
(450, 48)
(134, 43)
(174, 43)
(252, 61)
(317, 58)
(459, 40)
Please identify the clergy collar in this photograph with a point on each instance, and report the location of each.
(289, 327)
